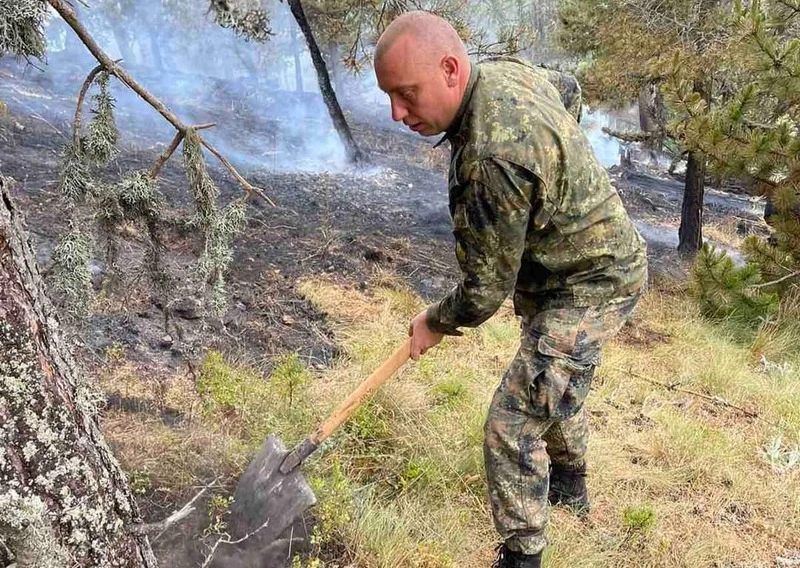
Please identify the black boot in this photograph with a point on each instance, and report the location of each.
(568, 487)
(511, 559)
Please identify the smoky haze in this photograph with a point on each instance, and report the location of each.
(269, 113)
(263, 97)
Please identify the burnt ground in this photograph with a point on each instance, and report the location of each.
(354, 225)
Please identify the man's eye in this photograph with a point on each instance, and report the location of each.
(409, 96)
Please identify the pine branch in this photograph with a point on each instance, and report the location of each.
(68, 14)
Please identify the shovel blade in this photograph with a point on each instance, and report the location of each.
(267, 502)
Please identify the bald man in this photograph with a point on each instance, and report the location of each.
(534, 214)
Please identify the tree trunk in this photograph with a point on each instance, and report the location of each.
(336, 66)
(124, 42)
(155, 48)
(353, 152)
(64, 501)
(690, 234)
(298, 70)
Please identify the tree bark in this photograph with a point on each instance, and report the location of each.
(64, 500)
(329, 96)
(690, 233)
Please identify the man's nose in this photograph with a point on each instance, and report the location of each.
(399, 112)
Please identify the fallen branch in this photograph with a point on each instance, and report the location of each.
(227, 540)
(794, 274)
(68, 14)
(712, 399)
(174, 518)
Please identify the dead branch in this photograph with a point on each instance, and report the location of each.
(631, 136)
(778, 281)
(712, 399)
(250, 189)
(68, 14)
(177, 516)
(169, 150)
(76, 123)
(227, 540)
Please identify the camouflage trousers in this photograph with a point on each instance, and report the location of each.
(536, 415)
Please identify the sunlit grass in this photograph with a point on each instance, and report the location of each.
(676, 479)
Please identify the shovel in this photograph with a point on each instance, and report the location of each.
(272, 493)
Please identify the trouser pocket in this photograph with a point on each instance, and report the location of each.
(559, 390)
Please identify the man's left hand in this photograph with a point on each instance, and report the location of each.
(422, 338)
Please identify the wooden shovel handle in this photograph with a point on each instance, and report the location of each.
(347, 407)
(364, 390)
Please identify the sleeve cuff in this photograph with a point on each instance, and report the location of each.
(435, 323)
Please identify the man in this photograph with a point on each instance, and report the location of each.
(533, 213)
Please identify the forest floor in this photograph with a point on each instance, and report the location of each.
(324, 283)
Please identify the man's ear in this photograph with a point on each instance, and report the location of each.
(451, 70)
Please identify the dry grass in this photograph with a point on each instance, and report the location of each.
(698, 468)
(676, 480)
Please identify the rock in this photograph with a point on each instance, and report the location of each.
(287, 320)
(166, 341)
(97, 271)
(188, 308)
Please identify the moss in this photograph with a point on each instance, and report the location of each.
(25, 532)
(41, 439)
(21, 33)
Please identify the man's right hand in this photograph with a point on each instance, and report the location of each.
(422, 338)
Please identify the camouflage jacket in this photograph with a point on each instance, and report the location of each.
(533, 210)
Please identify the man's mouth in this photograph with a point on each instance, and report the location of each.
(416, 127)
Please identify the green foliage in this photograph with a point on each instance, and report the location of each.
(450, 392)
(725, 291)
(219, 511)
(100, 145)
(289, 377)
(245, 400)
(418, 470)
(730, 74)
(334, 509)
(755, 135)
(70, 271)
(640, 518)
(21, 31)
(224, 387)
(368, 423)
(139, 481)
(245, 17)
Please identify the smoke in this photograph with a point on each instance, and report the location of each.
(263, 97)
(606, 148)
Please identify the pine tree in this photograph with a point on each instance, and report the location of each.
(756, 136)
(669, 44)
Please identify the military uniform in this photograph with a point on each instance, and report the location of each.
(535, 214)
